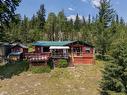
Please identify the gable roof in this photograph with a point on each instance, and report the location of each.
(52, 43)
(20, 45)
(60, 43)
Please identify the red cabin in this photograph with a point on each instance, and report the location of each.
(76, 51)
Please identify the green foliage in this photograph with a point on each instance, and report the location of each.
(40, 69)
(62, 63)
(10, 69)
(105, 57)
(104, 34)
(115, 73)
(41, 17)
(7, 14)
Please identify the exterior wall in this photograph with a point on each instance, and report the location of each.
(25, 50)
(83, 60)
(16, 49)
(86, 58)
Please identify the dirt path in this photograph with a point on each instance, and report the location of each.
(81, 80)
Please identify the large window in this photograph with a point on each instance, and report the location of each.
(87, 49)
(77, 51)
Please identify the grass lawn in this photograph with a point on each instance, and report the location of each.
(80, 80)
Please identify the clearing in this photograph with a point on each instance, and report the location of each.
(80, 80)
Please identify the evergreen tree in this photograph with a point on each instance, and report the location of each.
(89, 18)
(115, 73)
(41, 17)
(105, 16)
(50, 27)
(77, 23)
(61, 24)
(25, 29)
(7, 14)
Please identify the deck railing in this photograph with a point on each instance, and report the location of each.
(37, 56)
(79, 54)
(60, 56)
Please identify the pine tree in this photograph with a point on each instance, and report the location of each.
(7, 14)
(77, 23)
(105, 16)
(115, 73)
(25, 30)
(41, 17)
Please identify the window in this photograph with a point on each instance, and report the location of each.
(77, 51)
(46, 49)
(87, 50)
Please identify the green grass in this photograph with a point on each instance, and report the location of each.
(8, 70)
(40, 69)
(79, 80)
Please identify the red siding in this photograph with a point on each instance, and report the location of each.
(83, 60)
(86, 58)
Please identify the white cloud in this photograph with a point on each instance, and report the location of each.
(73, 17)
(70, 9)
(96, 2)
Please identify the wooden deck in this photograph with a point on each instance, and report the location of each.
(37, 57)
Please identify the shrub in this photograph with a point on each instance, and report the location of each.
(40, 69)
(10, 69)
(50, 63)
(105, 57)
(62, 63)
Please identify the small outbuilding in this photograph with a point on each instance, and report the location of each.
(17, 52)
(5, 49)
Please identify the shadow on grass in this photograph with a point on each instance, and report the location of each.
(9, 70)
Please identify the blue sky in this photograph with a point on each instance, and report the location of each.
(71, 7)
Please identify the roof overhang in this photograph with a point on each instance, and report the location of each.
(59, 47)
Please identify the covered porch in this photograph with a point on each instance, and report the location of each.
(58, 52)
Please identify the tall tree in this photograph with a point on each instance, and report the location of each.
(50, 27)
(7, 14)
(77, 23)
(105, 16)
(61, 24)
(41, 17)
(25, 29)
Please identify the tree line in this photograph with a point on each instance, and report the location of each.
(103, 31)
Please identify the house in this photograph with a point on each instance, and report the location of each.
(4, 51)
(17, 52)
(76, 52)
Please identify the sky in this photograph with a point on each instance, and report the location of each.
(70, 7)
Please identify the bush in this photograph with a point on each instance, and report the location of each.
(40, 69)
(10, 69)
(62, 63)
(105, 57)
(50, 63)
